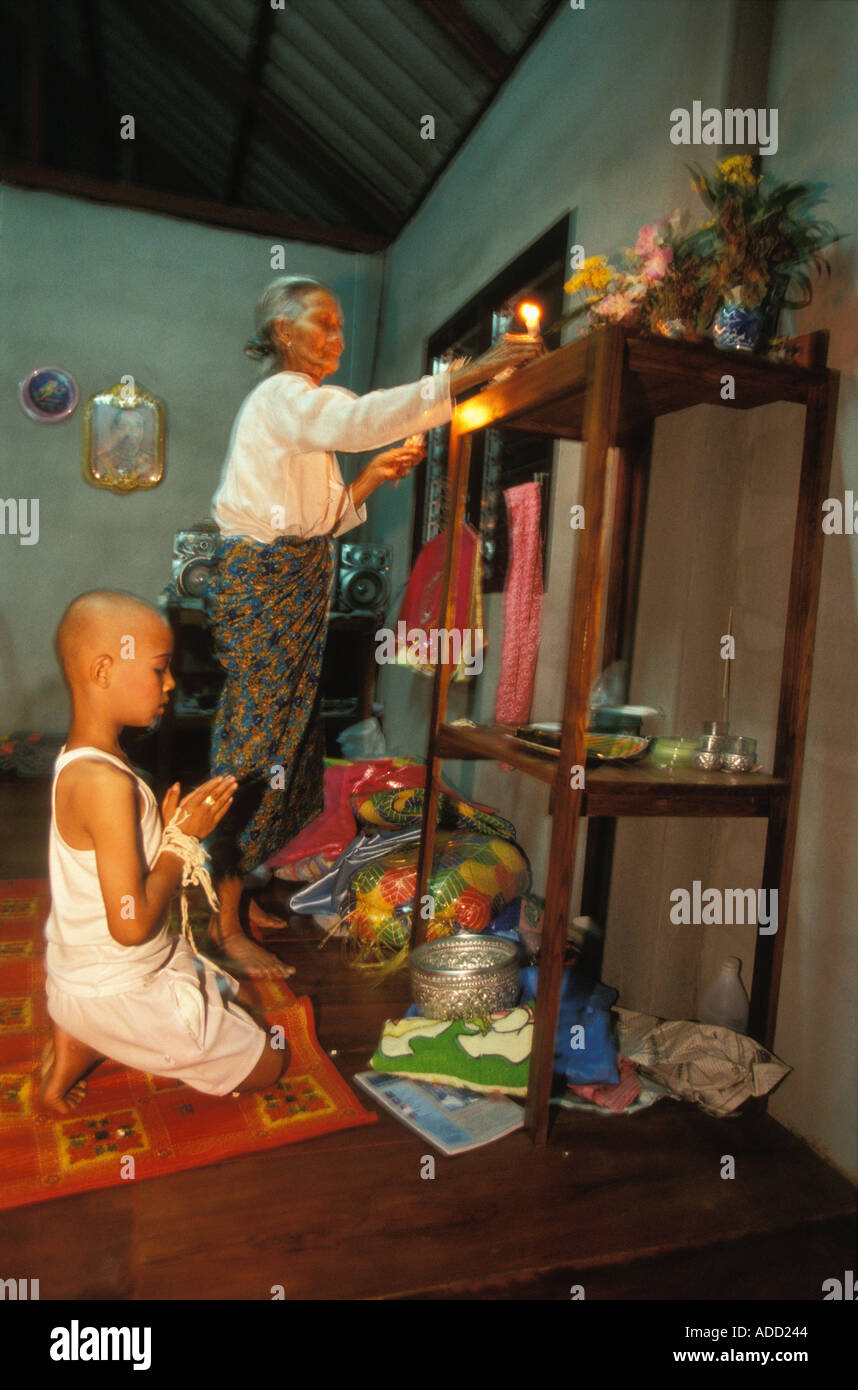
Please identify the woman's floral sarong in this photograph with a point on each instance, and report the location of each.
(268, 607)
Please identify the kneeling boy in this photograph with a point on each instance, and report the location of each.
(119, 984)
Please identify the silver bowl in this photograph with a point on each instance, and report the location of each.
(463, 976)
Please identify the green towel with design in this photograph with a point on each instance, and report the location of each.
(480, 1054)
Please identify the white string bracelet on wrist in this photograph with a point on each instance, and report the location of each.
(194, 870)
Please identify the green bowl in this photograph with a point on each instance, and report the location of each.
(674, 752)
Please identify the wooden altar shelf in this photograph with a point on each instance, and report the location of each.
(631, 789)
(661, 376)
(606, 390)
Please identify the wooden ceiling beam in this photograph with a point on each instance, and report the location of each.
(263, 28)
(470, 36)
(255, 221)
(212, 65)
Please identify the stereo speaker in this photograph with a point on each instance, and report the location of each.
(363, 578)
(193, 559)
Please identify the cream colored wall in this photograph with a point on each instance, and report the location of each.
(719, 530)
(813, 83)
(583, 124)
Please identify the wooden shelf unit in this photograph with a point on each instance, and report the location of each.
(635, 789)
(606, 390)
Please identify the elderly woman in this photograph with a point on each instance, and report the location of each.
(280, 502)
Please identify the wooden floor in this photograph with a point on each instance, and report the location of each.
(628, 1207)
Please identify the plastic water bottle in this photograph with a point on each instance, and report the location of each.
(724, 1001)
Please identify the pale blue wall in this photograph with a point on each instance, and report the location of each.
(101, 292)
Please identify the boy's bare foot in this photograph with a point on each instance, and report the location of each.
(245, 957)
(65, 1063)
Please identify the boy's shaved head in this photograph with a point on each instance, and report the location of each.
(97, 622)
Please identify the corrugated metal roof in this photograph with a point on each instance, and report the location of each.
(312, 111)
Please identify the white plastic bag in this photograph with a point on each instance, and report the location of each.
(363, 740)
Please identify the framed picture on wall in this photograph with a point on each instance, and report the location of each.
(123, 438)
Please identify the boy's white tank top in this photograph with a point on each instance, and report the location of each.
(82, 957)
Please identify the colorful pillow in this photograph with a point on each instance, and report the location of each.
(390, 809)
(320, 844)
(493, 1053)
(473, 877)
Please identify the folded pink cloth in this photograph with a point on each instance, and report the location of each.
(522, 605)
(617, 1097)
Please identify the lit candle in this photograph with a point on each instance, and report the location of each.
(531, 314)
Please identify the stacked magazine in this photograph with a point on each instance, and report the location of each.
(451, 1119)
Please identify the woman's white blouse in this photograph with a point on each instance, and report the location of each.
(281, 476)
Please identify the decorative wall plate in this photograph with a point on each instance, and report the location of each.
(48, 394)
(123, 438)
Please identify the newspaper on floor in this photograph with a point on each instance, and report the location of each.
(452, 1120)
(712, 1066)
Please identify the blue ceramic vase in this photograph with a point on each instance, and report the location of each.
(737, 327)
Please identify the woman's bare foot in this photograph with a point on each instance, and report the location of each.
(245, 957)
(65, 1063)
(258, 917)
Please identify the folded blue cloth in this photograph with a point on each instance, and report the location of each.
(588, 1055)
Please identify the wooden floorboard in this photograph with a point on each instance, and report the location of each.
(626, 1206)
(785, 1266)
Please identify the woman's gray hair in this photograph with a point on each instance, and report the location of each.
(283, 299)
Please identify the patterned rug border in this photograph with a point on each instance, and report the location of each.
(312, 1089)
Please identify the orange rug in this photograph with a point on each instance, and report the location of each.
(133, 1125)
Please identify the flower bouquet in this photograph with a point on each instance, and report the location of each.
(761, 245)
(657, 289)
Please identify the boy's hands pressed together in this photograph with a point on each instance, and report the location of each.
(101, 810)
(204, 807)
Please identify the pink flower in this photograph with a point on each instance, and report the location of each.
(614, 307)
(649, 238)
(656, 263)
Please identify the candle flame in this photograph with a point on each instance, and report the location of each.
(531, 314)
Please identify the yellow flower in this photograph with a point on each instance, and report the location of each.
(595, 274)
(739, 170)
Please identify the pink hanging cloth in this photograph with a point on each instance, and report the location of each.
(522, 605)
